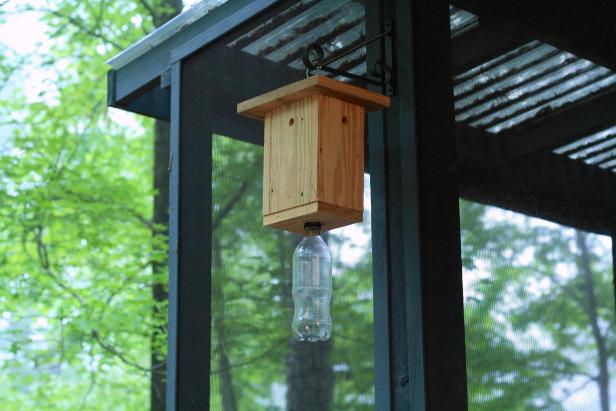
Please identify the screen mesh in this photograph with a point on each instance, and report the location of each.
(539, 313)
(256, 365)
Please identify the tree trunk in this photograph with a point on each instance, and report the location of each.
(225, 380)
(159, 294)
(603, 379)
(310, 378)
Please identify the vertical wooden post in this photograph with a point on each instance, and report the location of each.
(174, 228)
(381, 265)
(189, 242)
(416, 215)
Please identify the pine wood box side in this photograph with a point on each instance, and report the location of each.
(340, 162)
(290, 156)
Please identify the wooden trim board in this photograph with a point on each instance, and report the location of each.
(257, 107)
(330, 216)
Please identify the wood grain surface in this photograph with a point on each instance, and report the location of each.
(258, 106)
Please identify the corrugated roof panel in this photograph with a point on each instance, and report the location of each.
(531, 81)
(321, 18)
(561, 93)
(460, 21)
(332, 24)
(585, 152)
(586, 141)
(498, 72)
(513, 88)
(599, 158)
(609, 164)
(598, 149)
(276, 27)
(495, 61)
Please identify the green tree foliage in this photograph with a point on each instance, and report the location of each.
(76, 240)
(539, 312)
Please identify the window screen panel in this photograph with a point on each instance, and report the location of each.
(539, 313)
(256, 364)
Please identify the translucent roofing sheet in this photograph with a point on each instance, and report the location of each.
(597, 149)
(526, 83)
(461, 21)
(332, 24)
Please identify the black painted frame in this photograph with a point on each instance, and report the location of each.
(412, 153)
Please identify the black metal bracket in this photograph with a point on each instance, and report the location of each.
(380, 74)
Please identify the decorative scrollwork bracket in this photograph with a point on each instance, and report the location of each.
(380, 73)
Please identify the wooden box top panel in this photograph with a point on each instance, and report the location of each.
(257, 107)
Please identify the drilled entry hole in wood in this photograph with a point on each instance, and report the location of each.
(291, 122)
(344, 120)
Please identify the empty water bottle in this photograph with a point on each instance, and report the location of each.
(312, 287)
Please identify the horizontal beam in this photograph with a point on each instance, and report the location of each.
(545, 185)
(152, 101)
(484, 43)
(584, 28)
(553, 130)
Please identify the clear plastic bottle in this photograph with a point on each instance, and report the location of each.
(312, 287)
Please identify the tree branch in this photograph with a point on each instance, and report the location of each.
(43, 256)
(110, 349)
(230, 204)
(95, 200)
(150, 10)
(89, 390)
(80, 25)
(253, 359)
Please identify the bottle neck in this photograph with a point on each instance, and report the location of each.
(312, 231)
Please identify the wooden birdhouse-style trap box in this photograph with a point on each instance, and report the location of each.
(313, 169)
